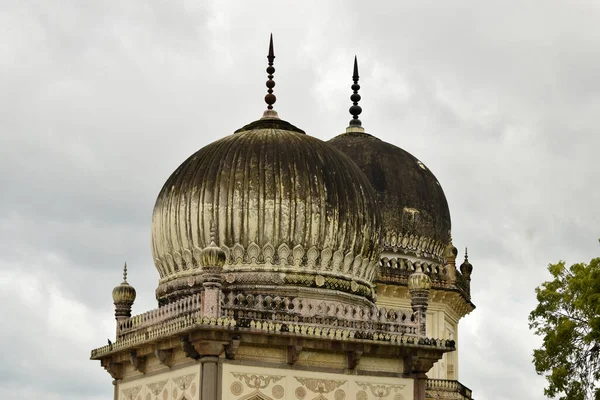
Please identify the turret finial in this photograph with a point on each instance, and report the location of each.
(125, 272)
(270, 97)
(466, 254)
(355, 110)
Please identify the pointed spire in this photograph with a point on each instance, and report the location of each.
(355, 110)
(270, 97)
(466, 254)
(125, 272)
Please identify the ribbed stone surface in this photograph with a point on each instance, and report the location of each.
(273, 193)
(411, 200)
(124, 293)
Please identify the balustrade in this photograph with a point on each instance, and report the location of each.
(445, 385)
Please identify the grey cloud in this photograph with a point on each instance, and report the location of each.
(102, 101)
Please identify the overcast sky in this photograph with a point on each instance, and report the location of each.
(101, 100)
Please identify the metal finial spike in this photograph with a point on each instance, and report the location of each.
(270, 97)
(355, 110)
(125, 272)
(271, 55)
(466, 254)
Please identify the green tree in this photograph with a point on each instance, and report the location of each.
(568, 318)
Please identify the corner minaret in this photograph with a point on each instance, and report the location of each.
(355, 110)
(419, 285)
(467, 269)
(212, 260)
(123, 297)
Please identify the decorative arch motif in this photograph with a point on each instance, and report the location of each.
(256, 395)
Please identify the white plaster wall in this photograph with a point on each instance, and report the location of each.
(178, 384)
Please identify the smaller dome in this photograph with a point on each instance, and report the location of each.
(411, 200)
(124, 293)
(414, 210)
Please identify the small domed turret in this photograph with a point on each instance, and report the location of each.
(418, 288)
(212, 255)
(466, 268)
(123, 297)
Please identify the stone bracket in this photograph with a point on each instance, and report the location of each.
(114, 369)
(189, 349)
(164, 356)
(232, 347)
(293, 352)
(353, 358)
(418, 365)
(138, 362)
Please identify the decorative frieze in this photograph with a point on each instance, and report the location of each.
(255, 381)
(244, 382)
(316, 385)
(168, 385)
(312, 259)
(131, 393)
(421, 246)
(379, 390)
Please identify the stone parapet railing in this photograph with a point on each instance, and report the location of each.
(320, 314)
(402, 268)
(187, 306)
(447, 389)
(267, 314)
(171, 328)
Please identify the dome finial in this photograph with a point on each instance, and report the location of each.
(125, 272)
(270, 97)
(466, 254)
(355, 110)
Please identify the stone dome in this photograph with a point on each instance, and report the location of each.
(123, 293)
(123, 297)
(290, 212)
(414, 210)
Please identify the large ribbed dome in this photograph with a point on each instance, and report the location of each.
(289, 210)
(415, 214)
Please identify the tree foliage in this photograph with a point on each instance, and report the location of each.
(568, 318)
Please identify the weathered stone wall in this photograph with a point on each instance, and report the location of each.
(254, 383)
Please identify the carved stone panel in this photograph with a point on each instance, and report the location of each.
(251, 382)
(170, 385)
